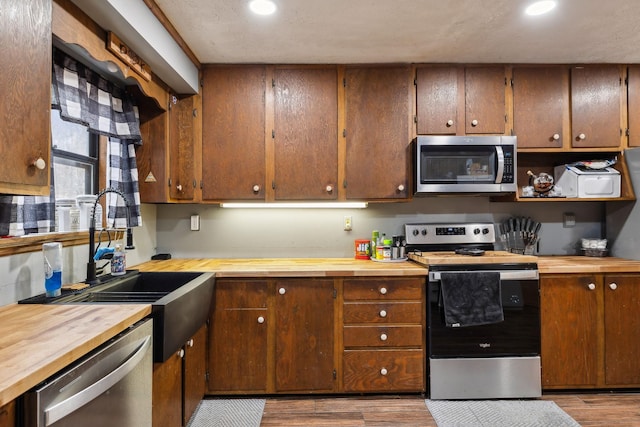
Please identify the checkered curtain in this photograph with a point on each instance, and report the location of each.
(85, 97)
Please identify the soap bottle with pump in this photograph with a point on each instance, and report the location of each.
(118, 261)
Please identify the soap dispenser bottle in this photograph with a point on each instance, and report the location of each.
(118, 261)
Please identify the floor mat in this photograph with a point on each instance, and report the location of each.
(228, 413)
(499, 413)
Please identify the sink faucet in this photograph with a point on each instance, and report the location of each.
(91, 265)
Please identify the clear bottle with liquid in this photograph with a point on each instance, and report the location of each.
(52, 254)
(118, 261)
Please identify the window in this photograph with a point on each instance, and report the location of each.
(75, 158)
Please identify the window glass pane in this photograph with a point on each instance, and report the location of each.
(69, 136)
(72, 178)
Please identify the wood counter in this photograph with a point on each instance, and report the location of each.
(36, 341)
(585, 264)
(287, 267)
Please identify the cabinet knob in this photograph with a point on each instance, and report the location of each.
(556, 136)
(383, 313)
(383, 371)
(613, 286)
(190, 343)
(449, 123)
(591, 286)
(582, 136)
(256, 188)
(383, 291)
(329, 188)
(181, 353)
(401, 187)
(179, 187)
(260, 319)
(474, 122)
(39, 163)
(383, 337)
(282, 291)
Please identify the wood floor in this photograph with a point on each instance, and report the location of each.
(588, 409)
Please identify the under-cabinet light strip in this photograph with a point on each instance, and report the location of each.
(297, 205)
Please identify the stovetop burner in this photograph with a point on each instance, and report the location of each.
(463, 238)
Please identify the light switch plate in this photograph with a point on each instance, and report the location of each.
(195, 222)
(347, 223)
(569, 220)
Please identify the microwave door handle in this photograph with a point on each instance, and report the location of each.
(500, 170)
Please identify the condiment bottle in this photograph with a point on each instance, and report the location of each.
(375, 234)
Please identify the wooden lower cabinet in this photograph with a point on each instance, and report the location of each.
(179, 383)
(8, 414)
(383, 335)
(590, 326)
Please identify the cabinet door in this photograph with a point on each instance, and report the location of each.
(238, 337)
(378, 134)
(485, 106)
(633, 94)
(306, 133)
(8, 414)
(540, 100)
(304, 357)
(167, 392)
(437, 100)
(151, 156)
(195, 369)
(622, 329)
(182, 118)
(595, 106)
(570, 330)
(25, 37)
(233, 132)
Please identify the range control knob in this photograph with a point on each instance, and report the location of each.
(485, 231)
(476, 231)
(415, 232)
(424, 232)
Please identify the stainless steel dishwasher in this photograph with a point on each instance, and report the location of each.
(111, 386)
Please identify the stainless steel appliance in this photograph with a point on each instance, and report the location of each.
(490, 346)
(109, 387)
(465, 164)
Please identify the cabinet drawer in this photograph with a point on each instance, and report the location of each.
(383, 312)
(383, 289)
(383, 370)
(383, 336)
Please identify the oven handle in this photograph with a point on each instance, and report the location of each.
(78, 400)
(434, 276)
(500, 171)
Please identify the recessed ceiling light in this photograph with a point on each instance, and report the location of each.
(262, 7)
(540, 7)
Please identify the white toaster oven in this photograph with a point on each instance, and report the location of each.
(581, 182)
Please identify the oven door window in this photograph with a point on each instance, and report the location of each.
(458, 164)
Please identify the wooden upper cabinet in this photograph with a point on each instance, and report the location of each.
(540, 106)
(485, 105)
(633, 102)
(461, 100)
(437, 100)
(182, 125)
(378, 132)
(305, 133)
(596, 98)
(233, 133)
(25, 37)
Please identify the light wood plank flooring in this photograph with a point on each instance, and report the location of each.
(588, 409)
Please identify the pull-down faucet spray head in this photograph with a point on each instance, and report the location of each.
(91, 264)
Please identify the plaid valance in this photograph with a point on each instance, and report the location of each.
(85, 97)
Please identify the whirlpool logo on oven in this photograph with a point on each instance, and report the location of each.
(485, 345)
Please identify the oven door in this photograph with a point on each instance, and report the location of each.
(517, 335)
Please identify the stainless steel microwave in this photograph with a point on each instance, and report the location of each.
(465, 164)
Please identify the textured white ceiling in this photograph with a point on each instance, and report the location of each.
(423, 31)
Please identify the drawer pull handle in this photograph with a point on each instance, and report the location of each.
(261, 320)
(383, 291)
(591, 286)
(613, 286)
(383, 313)
(449, 123)
(282, 291)
(383, 371)
(474, 123)
(383, 337)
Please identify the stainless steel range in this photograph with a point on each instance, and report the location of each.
(483, 314)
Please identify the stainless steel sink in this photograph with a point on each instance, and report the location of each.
(180, 303)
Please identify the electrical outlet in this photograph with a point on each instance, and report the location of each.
(347, 223)
(568, 220)
(195, 222)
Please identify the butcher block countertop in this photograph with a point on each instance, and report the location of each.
(585, 264)
(287, 267)
(36, 341)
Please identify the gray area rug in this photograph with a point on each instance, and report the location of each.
(499, 413)
(228, 413)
